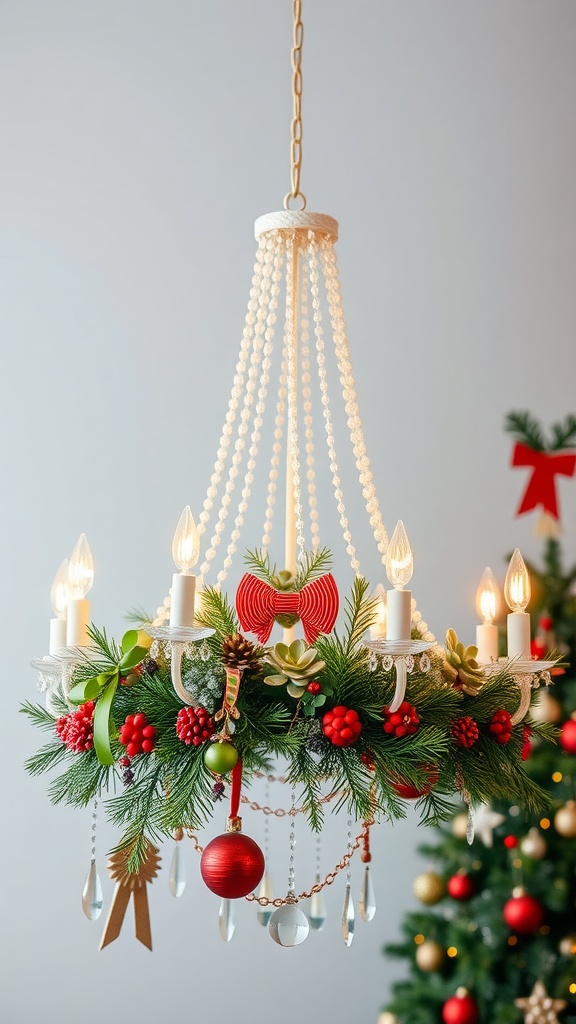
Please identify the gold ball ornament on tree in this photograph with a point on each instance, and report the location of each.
(546, 708)
(430, 955)
(534, 845)
(565, 820)
(387, 1018)
(459, 826)
(429, 888)
(567, 945)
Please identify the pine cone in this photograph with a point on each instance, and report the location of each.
(238, 652)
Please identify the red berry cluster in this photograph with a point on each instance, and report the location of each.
(314, 688)
(137, 735)
(76, 729)
(465, 731)
(403, 722)
(341, 726)
(501, 726)
(194, 726)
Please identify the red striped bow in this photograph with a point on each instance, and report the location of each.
(258, 604)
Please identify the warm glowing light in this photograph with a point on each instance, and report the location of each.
(517, 584)
(557, 777)
(517, 863)
(60, 592)
(80, 570)
(545, 929)
(399, 561)
(487, 597)
(572, 988)
(512, 940)
(186, 542)
(544, 822)
(452, 951)
(418, 939)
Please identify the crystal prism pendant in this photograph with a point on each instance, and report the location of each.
(265, 892)
(289, 925)
(177, 876)
(92, 900)
(226, 922)
(347, 919)
(470, 826)
(367, 902)
(317, 911)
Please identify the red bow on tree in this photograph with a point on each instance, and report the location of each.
(541, 489)
(258, 604)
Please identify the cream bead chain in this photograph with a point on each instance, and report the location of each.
(330, 269)
(321, 359)
(276, 451)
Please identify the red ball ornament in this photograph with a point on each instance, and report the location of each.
(510, 842)
(460, 886)
(567, 738)
(341, 726)
(460, 1009)
(526, 742)
(407, 791)
(523, 914)
(232, 865)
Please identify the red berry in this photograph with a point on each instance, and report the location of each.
(314, 688)
(501, 726)
(194, 725)
(76, 729)
(341, 726)
(403, 722)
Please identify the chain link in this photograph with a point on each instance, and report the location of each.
(296, 125)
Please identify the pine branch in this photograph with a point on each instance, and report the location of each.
(38, 716)
(563, 434)
(102, 645)
(525, 428)
(216, 612)
(47, 757)
(138, 617)
(258, 561)
(314, 564)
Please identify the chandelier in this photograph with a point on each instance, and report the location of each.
(357, 703)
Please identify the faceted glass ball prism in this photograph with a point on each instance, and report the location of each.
(288, 925)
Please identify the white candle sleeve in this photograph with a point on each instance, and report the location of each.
(487, 643)
(399, 614)
(57, 635)
(77, 622)
(518, 635)
(182, 600)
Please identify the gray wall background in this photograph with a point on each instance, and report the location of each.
(139, 142)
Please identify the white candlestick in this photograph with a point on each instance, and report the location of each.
(487, 643)
(398, 614)
(57, 635)
(518, 628)
(182, 600)
(77, 622)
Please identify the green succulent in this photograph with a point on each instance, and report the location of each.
(296, 665)
(461, 665)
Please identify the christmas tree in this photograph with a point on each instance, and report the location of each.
(495, 941)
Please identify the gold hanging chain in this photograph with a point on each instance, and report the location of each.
(296, 127)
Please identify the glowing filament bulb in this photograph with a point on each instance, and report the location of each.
(399, 561)
(60, 592)
(186, 542)
(487, 597)
(80, 570)
(517, 584)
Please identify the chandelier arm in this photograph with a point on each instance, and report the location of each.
(321, 360)
(330, 269)
(259, 411)
(240, 444)
(307, 408)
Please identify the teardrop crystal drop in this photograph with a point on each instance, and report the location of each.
(289, 925)
(470, 826)
(226, 922)
(92, 900)
(367, 902)
(265, 892)
(317, 911)
(347, 919)
(177, 877)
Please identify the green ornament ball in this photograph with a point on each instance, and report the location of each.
(220, 757)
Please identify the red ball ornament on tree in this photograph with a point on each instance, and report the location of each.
(232, 865)
(341, 726)
(523, 913)
(567, 738)
(526, 743)
(460, 1009)
(460, 886)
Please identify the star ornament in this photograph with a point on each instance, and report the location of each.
(485, 821)
(539, 1007)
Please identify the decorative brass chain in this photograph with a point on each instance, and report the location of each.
(296, 126)
(281, 812)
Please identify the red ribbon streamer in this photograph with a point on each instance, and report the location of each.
(258, 604)
(541, 489)
(235, 788)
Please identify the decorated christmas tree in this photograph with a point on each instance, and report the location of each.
(495, 940)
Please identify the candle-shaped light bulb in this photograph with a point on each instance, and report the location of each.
(59, 597)
(399, 566)
(80, 580)
(186, 542)
(399, 561)
(487, 597)
(487, 606)
(185, 551)
(517, 594)
(517, 584)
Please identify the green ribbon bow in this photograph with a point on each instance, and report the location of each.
(102, 688)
